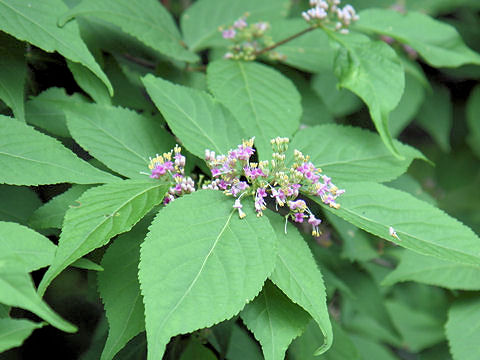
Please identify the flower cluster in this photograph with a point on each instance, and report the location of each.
(248, 40)
(236, 176)
(170, 167)
(326, 12)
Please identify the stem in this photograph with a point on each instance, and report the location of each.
(281, 42)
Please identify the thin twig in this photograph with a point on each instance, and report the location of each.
(281, 42)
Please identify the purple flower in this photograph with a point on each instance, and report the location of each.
(298, 204)
(299, 217)
(229, 34)
(279, 196)
(240, 23)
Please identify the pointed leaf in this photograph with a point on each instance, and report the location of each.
(120, 138)
(13, 71)
(13, 332)
(198, 253)
(28, 157)
(298, 276)
(91, 84)
(36, 22)
(18, 203)
(104, 212)
(274, 320)
(463, 329)
(437, 42)
(265, 103)
(473, 120)
(419, 226)
(373, 71)
(148, 21)
(342, 153)
(195, 117)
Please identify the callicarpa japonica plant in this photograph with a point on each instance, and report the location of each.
(241, 179)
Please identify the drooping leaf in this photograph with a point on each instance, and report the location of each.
(51, 214)
(86, 264)
(149, 21)
(104, 212)
(91, 84)
(419, 226)
(274, 320)
(36, 22)
(473, 120)
(433, 271)
(28, 157)
(195, 117)
(23, 249)
(18, 203)
(463, 330)
(13, 332)
(342, 153)
(120, 291)
(200, 22)
(198, 253)
(17, 289)
(13, 71)
(298, 276)
(373, 71)
(120, 138)
(265, 103)
(437, 42)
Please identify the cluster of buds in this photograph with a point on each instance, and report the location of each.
(248, 40)
(236, 176)
(329, 13)
(170, 167)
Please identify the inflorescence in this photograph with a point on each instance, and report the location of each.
(236, 176)
(325, 13)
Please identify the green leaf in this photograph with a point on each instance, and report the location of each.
(198, 253)
(16, 289)
(51, 214)
(350, 153)
(265, 103)
(243, 346)
(200, 22)
(373, 71)
(274, 320)
(196, 351)
(195, 117)
(13, 71)
(104, 212)
(420, 226)
(89, 83)
(438, 43)
(4, 311)
(18, 203)
(463, 330)
(119, 289)
(473, 120)
(149, 22)
(13, 332)
(433, 271)
(22, 249)
(298, 276)
(369, 349)
(28, 157)
(36, 22)
(47, 110)
(436, 116)
(86, 264)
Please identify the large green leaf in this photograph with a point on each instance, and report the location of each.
(195, 117)
(120, 138)
(103, 212)
(23, 249)
(28, 157)
(13, 71)
(17, 289)
(13, 332)
(148, 21)
(120, 291)
(419, 226)
(18, 203)
(463, 329)
(373, 71)
(200, 22)
(198, 253)
(298, 276)
(265, 103)
(350, 153)
(433, 271)
(369, 349)
(438, 43)
(89, 83)
(274, 320)
(473, 120)
(36, 22)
